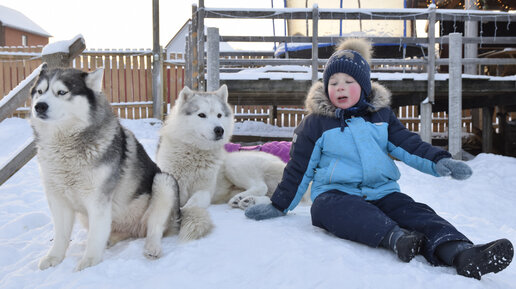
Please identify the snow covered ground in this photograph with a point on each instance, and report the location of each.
(286, 252)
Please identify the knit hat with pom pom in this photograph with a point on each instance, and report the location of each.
(352, 57)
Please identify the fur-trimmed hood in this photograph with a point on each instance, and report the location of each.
(318, 103)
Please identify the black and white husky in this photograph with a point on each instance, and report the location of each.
(93, 167)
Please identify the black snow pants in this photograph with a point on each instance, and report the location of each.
(353, 218)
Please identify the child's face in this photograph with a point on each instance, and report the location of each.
(343, 90)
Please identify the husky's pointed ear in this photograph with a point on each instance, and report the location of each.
(94, 80)
(222, 92)
(185, 93)
(44, 69)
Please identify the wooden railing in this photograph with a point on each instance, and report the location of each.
(197, 41)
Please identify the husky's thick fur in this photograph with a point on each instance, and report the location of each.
(93, 167)
(247, 178)
(192, 149)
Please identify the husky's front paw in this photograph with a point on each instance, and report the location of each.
(234, 202)
(49, 261)
(87, 262)
(152, 251)
(247, 202)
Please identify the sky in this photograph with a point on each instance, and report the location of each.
(125, 23)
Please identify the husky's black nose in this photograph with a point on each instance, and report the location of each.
(41, 107)
(219, 132)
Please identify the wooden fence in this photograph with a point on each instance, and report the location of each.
(127, 77)
(127, 84)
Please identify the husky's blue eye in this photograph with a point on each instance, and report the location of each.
(201, 115)
(62, 92)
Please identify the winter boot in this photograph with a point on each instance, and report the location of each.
(405, 244)
(482, 259)
(408, 246)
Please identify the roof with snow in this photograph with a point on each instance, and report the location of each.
(177, 43)
(15, 19)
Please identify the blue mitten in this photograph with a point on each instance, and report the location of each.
(458, 170)
(262, 212)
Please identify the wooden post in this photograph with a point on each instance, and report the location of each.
(426, 106)
(471, 51)
(188, 58)
(487, 129)
(200, 45)
(194, 49)
(213, 59)
(455, 97)
(315, 44)
(274, 118)
(470, 30)
(157, 65)
(63, 59)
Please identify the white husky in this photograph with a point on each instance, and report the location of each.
(191, 148)
(94, 167)
(247, 178)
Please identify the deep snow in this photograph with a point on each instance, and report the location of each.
(286, 252)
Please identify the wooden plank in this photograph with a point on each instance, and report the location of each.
(77, 62)
(99, 63)
(27, 70)
(3, 80)
(8, 77)
(249, 139)
(166, 83)
(122, 112)
(136, 81)
(18, 161)
(141, 77)
(115, 79)
(130, 112)
(14, 75)
(108, 85)
(136, 112)
(129, 79)
(357, 14)
(92, 62)
(174, 84)
(148, 78)
(180, 83)
(122, 79)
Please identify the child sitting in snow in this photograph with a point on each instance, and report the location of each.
(343, 147)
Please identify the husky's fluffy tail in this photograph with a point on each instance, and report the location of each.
(195, 223)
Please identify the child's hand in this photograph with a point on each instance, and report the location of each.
(458, 170)
(262, 212)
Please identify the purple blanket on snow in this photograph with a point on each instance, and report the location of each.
(280, 149)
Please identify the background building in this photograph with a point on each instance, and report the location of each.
(18, 30)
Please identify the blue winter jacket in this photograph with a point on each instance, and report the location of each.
(351, 155)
